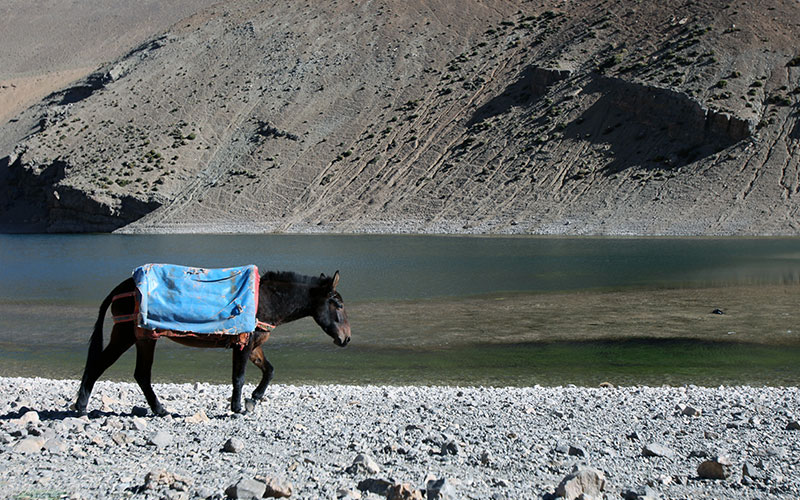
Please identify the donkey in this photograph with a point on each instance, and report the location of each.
(282, 297)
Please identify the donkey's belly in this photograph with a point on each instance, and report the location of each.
(202, 341)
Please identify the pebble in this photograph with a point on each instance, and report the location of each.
(233, 445)
(246, 488)
(29, 417)
(364, 464)
(641, 493)
(375, 485)
(441, 489)
(691, 411)
(718, 468)
(75, 424)
(198, 418)
(749, 470)
(163, 478)
(307, 437)
(657, 450)
(160, 439)
(277, 488)
(403, 492)
(139, 423)
(348, 494)
(138, 411)
(583, 482)
(29, 445)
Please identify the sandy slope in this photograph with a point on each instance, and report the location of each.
(48, 44)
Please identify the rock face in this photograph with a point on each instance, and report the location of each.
(46, 204)
(519, 118)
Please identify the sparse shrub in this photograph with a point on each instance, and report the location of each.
(721, 84)
(780, 100)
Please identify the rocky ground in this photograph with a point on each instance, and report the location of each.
(402, 442)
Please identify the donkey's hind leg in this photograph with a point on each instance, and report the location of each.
(121, 340)
(258, 359)
(144, 365)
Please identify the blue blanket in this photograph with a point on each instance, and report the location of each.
(191, 299)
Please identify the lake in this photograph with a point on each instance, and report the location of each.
(442, 309)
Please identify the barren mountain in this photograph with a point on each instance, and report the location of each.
(47, 44)
(613, 117)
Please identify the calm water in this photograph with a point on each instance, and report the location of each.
(455, 310)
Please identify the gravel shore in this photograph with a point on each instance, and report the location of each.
(401, 442)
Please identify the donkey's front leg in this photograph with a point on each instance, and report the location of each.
(258, 359)
(240, 357)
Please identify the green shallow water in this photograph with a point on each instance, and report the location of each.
(443, 310)
(621, 362)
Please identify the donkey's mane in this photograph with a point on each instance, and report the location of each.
(296, 278)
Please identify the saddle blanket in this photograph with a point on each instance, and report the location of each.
(193, 299)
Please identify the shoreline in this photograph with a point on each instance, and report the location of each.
(482, 442)
(422, 228)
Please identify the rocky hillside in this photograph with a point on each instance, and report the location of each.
(614, 117)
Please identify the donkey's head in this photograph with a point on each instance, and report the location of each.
(329, 311)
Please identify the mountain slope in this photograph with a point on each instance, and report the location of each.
(503, 117)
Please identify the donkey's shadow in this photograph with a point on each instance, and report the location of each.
(48, 415)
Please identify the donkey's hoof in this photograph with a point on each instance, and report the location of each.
(250, 405)
(81, 411)
(160, 411)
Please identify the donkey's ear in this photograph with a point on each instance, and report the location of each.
(335, 280)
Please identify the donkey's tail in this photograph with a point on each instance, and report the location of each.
(96, 342)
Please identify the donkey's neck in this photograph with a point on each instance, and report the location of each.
(281, 302)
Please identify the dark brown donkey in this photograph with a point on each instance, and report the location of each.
(282, 297)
